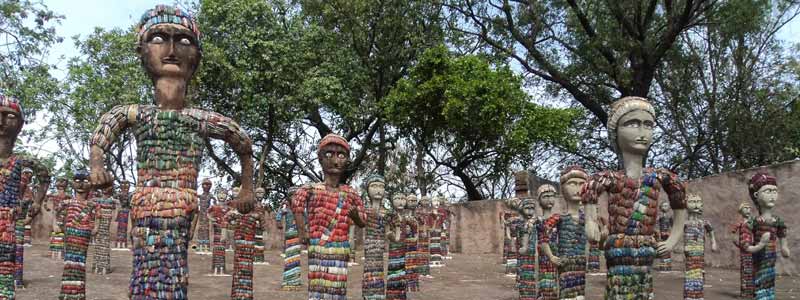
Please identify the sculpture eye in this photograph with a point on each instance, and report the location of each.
(341, 156)
(157, 40)
(328, 154)
(185, 42)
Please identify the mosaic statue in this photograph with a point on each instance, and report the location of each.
(12, 188)
(104, 210)
(170, 139)
(291, 247)
(123, 214)
(436, 233)
(744, 240)
(54, 204)
(569, 254)
(448, 217)
(423, 215)
(203, 223)
(79, 224)
(547, 274)
(396, 288)
(244, 227)
(262, 207)
(411, 238)
(332, 208)
(507, 219)
(695, 231)
(771, 231)
(527, 235)
(372, 283)
(633, 196)
(216, 214)
(664, 226)
(22, 221)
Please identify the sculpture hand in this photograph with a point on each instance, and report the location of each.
(523, 249)
(785, 251)
(764, 238)
(27, 220)
(592, 231)
(246, 201)
(714, 247)
(662, 249)
(56, 228)
(555, 260)
(34, 211)
(100, 177)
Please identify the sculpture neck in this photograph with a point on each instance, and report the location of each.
(572, 207)
(766, 214)
(694, 216)
(546, 212)
(632, 163)
(332, 180)
(6, 147)
(170, 93)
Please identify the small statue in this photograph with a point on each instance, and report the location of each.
(507, 219)
(745, 240)
(633, 196)
(436, 233)
(57, 235)
(546, 195)
(423, 215)
(771, 231)
(104, 209)
(411, 238)
(664, 226)
(79, 224)
(170, 139)
(396, 287)
(570, 253)
(263, 208)
(23, 220)
(217, 213)
(526, 232)
(244, 227)
(695, 231)
(332, 208)
(123, 214)
(204, 202)
(291, 247)
(372, 283)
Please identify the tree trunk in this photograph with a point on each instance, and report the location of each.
(419, 165)
(473, 194)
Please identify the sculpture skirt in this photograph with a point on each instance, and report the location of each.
(396, 277)
(629, 259)
(122, 225)
(526, 276)
(160, 269)
(327, 270)
(8, 249)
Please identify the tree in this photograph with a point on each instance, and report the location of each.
(472, 119)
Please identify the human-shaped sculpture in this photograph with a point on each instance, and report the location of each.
(448, 217)
(216, 213)
(547, 275)
(695, 231)
(79, 224)
(396, 272)
(291, 247)
(423, 215)
(664, 226)
(436, 233)
(570, 252)
(411, 238)
(23, 220)
(332, 208)
(372, 283)
(262, 207)
(104, 210)
(507, 219)
(771, 231)
(11, 190)
(633, 196)
(203, 229)
(54, 204)
(526, 232)
(744, 240)
(170, 144)
(244, 227)
(123, 199)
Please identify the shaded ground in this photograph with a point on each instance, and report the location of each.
(475, 277)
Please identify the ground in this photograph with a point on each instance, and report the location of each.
(468, 277)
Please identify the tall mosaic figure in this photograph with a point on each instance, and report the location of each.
(203, 224)
(123, 198)
(695, 231)
(372, 283)
(54, 204)
(633, 196)
(527, 234)
(292, 247)
(79, 219)
(411, 238)
(744, 240)
(771, 231)
(104, 210)
(547, 275)
(263, 208)
(332, 208)
(170, 139)
(216, 214)
(664, 226)
(437, 260)
(244, 234)
(396, 288)
(22, 220)
(11, 188)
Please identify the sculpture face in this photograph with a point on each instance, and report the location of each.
(547, 200)
(572, 189)
(124, 186)
(235, 192)
(528, 207)
(767, 196)
(109, 191)
(635, 132)
(27, 175)
(376, 190)
(411, 201)
(333, 159)
(745, 211)
(81, 185)
(10, 122)
(169, 50)
(206, 187)
(694, 204)
(61, 184)
(222, 196)
(425, 201)
(399, 201)
(260, 193)
(664, 206)
(437, 201)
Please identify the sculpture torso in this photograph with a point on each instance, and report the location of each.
(10, 175)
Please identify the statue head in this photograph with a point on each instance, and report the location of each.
(235, 192)
(108, 191)
(11, 118)
(61, 184)
(260, 193)
(124, 186)
(206, 185)
(411, 201)
(528, 206)
(80, 182)
(376, 187)
(744, 210)
(27, 174)
(222, 196)
(763, 191)
(572, 180)
(399, 201)
(333, 154)
(425, 201)
(630, 126)
(664, 206)
(437, 201)
(694, 204)
(168, 43)
(546, 195)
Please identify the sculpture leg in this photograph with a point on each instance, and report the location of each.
(160, 269)
(73, 280)
(19, 252)
(8, 249)
(327, 270)
(291, 261)
(242, 284)
(395, 280)
(630, 277)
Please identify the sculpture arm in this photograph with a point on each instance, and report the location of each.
(675, 234)
(357, 212)
(39, 193)
(711, 235)
(112, 124)
(597, 185)
(781, 234)
(298, 204)
(224, 128)
(676, 192)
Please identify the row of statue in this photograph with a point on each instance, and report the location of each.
(165, 207)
